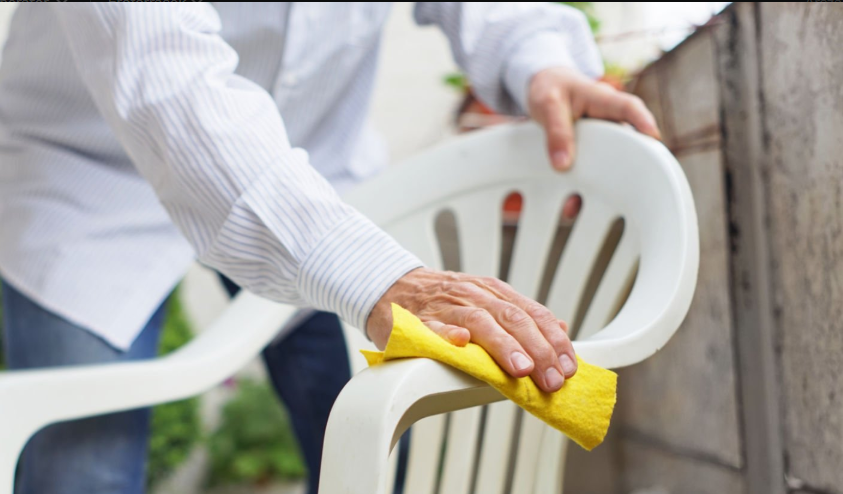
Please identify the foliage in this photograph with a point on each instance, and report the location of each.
(176, 427)
(457, 80)
(615, 72)
(254, 443)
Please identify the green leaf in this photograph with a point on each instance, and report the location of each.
(458, 81)
(254, 443)
(176, 428)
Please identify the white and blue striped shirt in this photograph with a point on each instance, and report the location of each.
(136, 137)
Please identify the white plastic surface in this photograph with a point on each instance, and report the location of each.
(618, 173)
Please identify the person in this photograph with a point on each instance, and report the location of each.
(135, 138)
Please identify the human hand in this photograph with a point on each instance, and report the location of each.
(523, 336)
(557, 97)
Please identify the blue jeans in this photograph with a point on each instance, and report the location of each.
(107, 454)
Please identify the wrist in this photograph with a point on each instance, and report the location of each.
(406, 292)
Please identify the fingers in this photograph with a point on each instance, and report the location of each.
(563, 325)
(521, 335)
(486, 332)
(551, 329)
(568, 357)
(548, 373)
(557, 97)
(608, 103)
(454, 334)
(555, 116)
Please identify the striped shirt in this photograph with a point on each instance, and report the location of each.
(135, 138)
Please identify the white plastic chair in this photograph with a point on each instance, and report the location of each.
(618, 173)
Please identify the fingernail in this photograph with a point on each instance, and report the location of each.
(520, 361)
(560, 160)
(568, 365)
(554, 379)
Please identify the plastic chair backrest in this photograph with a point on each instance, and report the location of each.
(620, 175)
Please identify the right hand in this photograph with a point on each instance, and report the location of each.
(522, 335)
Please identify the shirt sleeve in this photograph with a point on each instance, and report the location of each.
(502, 45)
(214, 147)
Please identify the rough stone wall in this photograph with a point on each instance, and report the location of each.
(747, 397)
(801, 59)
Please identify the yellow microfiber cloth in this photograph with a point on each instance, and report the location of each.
(581, 409)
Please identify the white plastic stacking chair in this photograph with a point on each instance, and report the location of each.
(618, 173)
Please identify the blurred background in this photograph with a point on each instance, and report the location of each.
(746, 398)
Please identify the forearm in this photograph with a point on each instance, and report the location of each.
(214, 147)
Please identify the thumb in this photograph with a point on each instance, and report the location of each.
(453, 334)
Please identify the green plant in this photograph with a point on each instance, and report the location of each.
(254, 443)
(176, 427)
(458, 81)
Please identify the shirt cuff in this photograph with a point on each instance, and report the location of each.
(544, 50)
(352, 267)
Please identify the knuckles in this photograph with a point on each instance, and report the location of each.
(492, 282)
(513, 316)
(475, 317)
(543, 317)
(545, 96)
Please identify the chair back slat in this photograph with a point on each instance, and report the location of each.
(577, 259)
(425, 452)
(542, 207)
(614, 286)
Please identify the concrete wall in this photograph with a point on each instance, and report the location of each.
(747, 397)
(801, 84)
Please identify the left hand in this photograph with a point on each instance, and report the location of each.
(559, 96)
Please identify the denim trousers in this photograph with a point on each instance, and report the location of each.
(107, 454)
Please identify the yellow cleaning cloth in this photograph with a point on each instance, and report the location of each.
(581, 409)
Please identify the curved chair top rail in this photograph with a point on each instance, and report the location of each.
(618, 172)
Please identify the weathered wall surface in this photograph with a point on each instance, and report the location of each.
(801, 57)
(747, 396)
